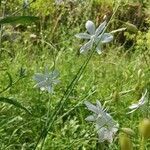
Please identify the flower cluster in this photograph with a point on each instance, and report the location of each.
(106, 126)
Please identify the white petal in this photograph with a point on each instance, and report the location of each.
(106, 37)
(99, 107)
(130, 112)
(134, 106)
(90, 27)
(100, 28)
(55, 73)
(39, 77)
(83, 36)
(40, 84)
(99, 104)
(100, 122)
(91, 107)
(90, 118)
(86, 46)
(106, 134)
(98, 49)
(101, 134)
(143, 99)
(110, 121)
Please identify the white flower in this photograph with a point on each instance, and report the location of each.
(140, 104)
(47, 80)
(59, 2)
(106, 126)
(94, 36)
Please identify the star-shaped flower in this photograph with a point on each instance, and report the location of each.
(140, 104)
(47, 80)
(106, 126)
(94, 36)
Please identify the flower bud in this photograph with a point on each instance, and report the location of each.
(116, 96)
(144, 128)
(125, 142)
(128, 131)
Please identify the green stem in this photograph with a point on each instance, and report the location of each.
(142, 144)
(1, 26)
(47, 120)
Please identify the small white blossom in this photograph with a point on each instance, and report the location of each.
(94, 36)
(59, 2)
(106, 126)
(47, 80)
(25, 3)
(140, 104)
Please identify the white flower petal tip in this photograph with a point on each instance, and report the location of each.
(100, 29)
(106, 38)
(91, 107)
(90, 27)
(98, 49)
(90, 118)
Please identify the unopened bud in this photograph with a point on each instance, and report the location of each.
(144, 128)
(125, 142)
(128, 131)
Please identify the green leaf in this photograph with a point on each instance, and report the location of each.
(19, 20)
(14, 103)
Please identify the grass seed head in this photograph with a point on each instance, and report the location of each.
(125, 142)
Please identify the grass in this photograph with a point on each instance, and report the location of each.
(118, 78)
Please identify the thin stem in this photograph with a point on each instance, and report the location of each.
(142, 144)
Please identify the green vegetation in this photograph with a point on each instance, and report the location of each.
(39, 37)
